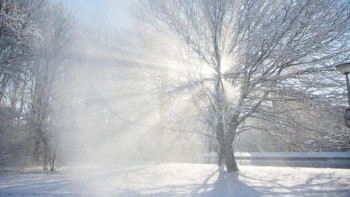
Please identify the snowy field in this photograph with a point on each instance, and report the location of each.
(176, 180)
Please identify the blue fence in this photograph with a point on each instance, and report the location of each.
(294, 159)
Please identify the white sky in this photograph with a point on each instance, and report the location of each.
(109, 12)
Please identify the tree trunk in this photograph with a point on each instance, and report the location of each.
(221, 155)
(45, 161)
(46, 154)
(230, 160)
(3, 86)
(37, 149)
(221, 141)
(225, 151)
(52, 162)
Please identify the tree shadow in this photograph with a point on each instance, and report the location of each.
(228, 184)
(319, 185)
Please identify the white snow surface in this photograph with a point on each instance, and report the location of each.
(175, 179)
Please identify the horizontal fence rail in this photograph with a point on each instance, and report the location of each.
(293, 159)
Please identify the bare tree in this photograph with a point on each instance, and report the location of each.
(17, 33)
(55, 24)
(256, 51)
(34, 43)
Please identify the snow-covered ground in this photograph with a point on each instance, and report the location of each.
(176, 180)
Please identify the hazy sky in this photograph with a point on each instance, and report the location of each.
(109, 12)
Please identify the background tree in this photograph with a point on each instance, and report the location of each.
(34, 44)
(17, 34)
(48, 73)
